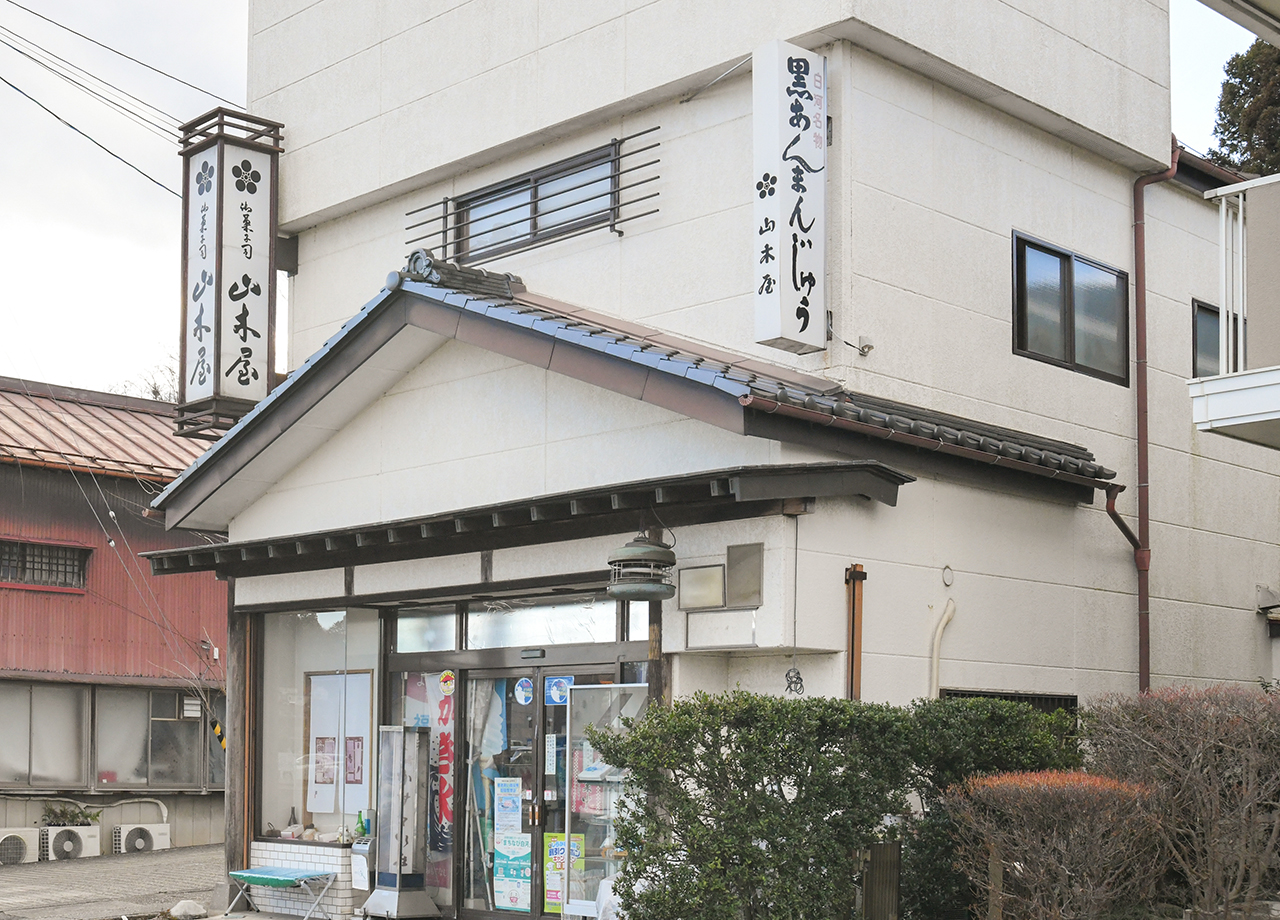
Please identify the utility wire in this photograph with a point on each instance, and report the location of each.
(164, 132)
(88, 138)
(122, 54)
(79, 72)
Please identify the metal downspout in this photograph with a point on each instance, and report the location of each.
(1142, 549)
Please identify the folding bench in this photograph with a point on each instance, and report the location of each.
(279, 877)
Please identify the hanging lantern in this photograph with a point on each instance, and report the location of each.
(641, 570)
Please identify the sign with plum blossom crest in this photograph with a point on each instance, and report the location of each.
(228, 278)
(789, 90)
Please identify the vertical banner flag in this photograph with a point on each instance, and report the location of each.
(228, 268)
(789, 87)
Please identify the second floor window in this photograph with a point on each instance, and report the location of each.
(559, 199)
(42, 565)
(1070, 311)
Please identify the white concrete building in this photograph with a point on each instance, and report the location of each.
(454, 451)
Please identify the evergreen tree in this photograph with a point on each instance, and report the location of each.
(1248, 125)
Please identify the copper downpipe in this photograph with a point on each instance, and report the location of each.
(1142, 548)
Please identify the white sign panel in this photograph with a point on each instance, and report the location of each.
(201, 256)
(246, 273)
(789, 236)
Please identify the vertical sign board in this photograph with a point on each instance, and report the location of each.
(229, 284)
(789, 87)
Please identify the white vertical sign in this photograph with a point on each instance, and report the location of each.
(789, 234)
(202, 262)
(246, 273)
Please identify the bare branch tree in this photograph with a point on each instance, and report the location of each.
(1212, 759)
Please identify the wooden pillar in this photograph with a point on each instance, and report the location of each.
(238, 790)
(854, 576)
(656, 672)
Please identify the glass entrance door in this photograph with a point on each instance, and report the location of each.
(514, 778)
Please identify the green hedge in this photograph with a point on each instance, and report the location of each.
(746, 807)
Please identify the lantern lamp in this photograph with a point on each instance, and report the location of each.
(641, 570)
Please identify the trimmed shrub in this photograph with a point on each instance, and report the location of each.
(1211, 757)
(746, 807)
(951, 741)
(1056, 846)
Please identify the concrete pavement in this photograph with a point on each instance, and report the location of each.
(109, 887)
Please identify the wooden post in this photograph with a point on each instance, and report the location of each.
(854, 576)
(656, 672)
(237, 790)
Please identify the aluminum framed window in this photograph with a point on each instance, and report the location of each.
(157, 739)
(43, 565)
(1070, 311)
(1206, 324)
(557, 200)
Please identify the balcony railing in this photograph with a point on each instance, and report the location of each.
(1242, 399)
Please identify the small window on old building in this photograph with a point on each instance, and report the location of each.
(562, 198)
(1205, 331)
(1070, 311)
(42, 565)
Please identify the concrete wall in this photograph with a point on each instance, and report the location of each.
(413, 90)
(194, 820)
(927, 184)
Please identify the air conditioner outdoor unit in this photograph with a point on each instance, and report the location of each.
(70, 842)
(19, 845)
(139, 838)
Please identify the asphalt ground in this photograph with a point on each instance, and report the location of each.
(111, 887)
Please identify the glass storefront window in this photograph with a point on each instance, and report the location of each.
(429, 699)
(15, 729)
(427, 629)
(318, 721)
(512, 623)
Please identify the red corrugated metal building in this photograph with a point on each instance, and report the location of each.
(109, 678)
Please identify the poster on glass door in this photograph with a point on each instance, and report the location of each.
(512, 871)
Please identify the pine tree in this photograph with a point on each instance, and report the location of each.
(1248, 125)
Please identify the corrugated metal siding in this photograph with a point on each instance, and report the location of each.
(116, 627)
(60, 427)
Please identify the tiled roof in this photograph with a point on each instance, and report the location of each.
(103, 433)
(496, 312)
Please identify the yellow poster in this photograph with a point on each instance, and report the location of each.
(553, 868)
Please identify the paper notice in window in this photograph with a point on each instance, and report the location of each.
(507, 805)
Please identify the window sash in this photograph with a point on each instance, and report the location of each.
(559, 199)
(46, 565)
(1070, 311)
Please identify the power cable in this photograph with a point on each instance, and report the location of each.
(157, 112)
(123, 55)
(164, 132)
(88, 138)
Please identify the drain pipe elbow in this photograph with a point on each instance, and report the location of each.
(948, 612)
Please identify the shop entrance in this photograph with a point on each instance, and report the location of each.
(515, 792)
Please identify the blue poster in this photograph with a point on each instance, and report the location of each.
(524, 691)
(512, 872)
(556, 692)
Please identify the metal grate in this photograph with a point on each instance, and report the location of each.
(1044, 702)
(43, 564)
(561, 200)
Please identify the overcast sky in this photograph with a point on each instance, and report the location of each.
(89, 261)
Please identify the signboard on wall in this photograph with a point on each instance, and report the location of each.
(230, 163)
(789, 88)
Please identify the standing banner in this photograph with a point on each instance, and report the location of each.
(229, 225)
(789, 88)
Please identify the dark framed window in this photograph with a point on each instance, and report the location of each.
(566, 197)
(1070, 311)
(1206, 325)
(43, 565)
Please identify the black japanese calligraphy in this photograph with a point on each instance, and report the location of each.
(199, 328)
(766, 285)
(797, 218)
(245, 371)
(242, 328)
(202, 285)
(202, 370)
(242, 289)
(767, 227)
(246, 226)
(766, 254)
